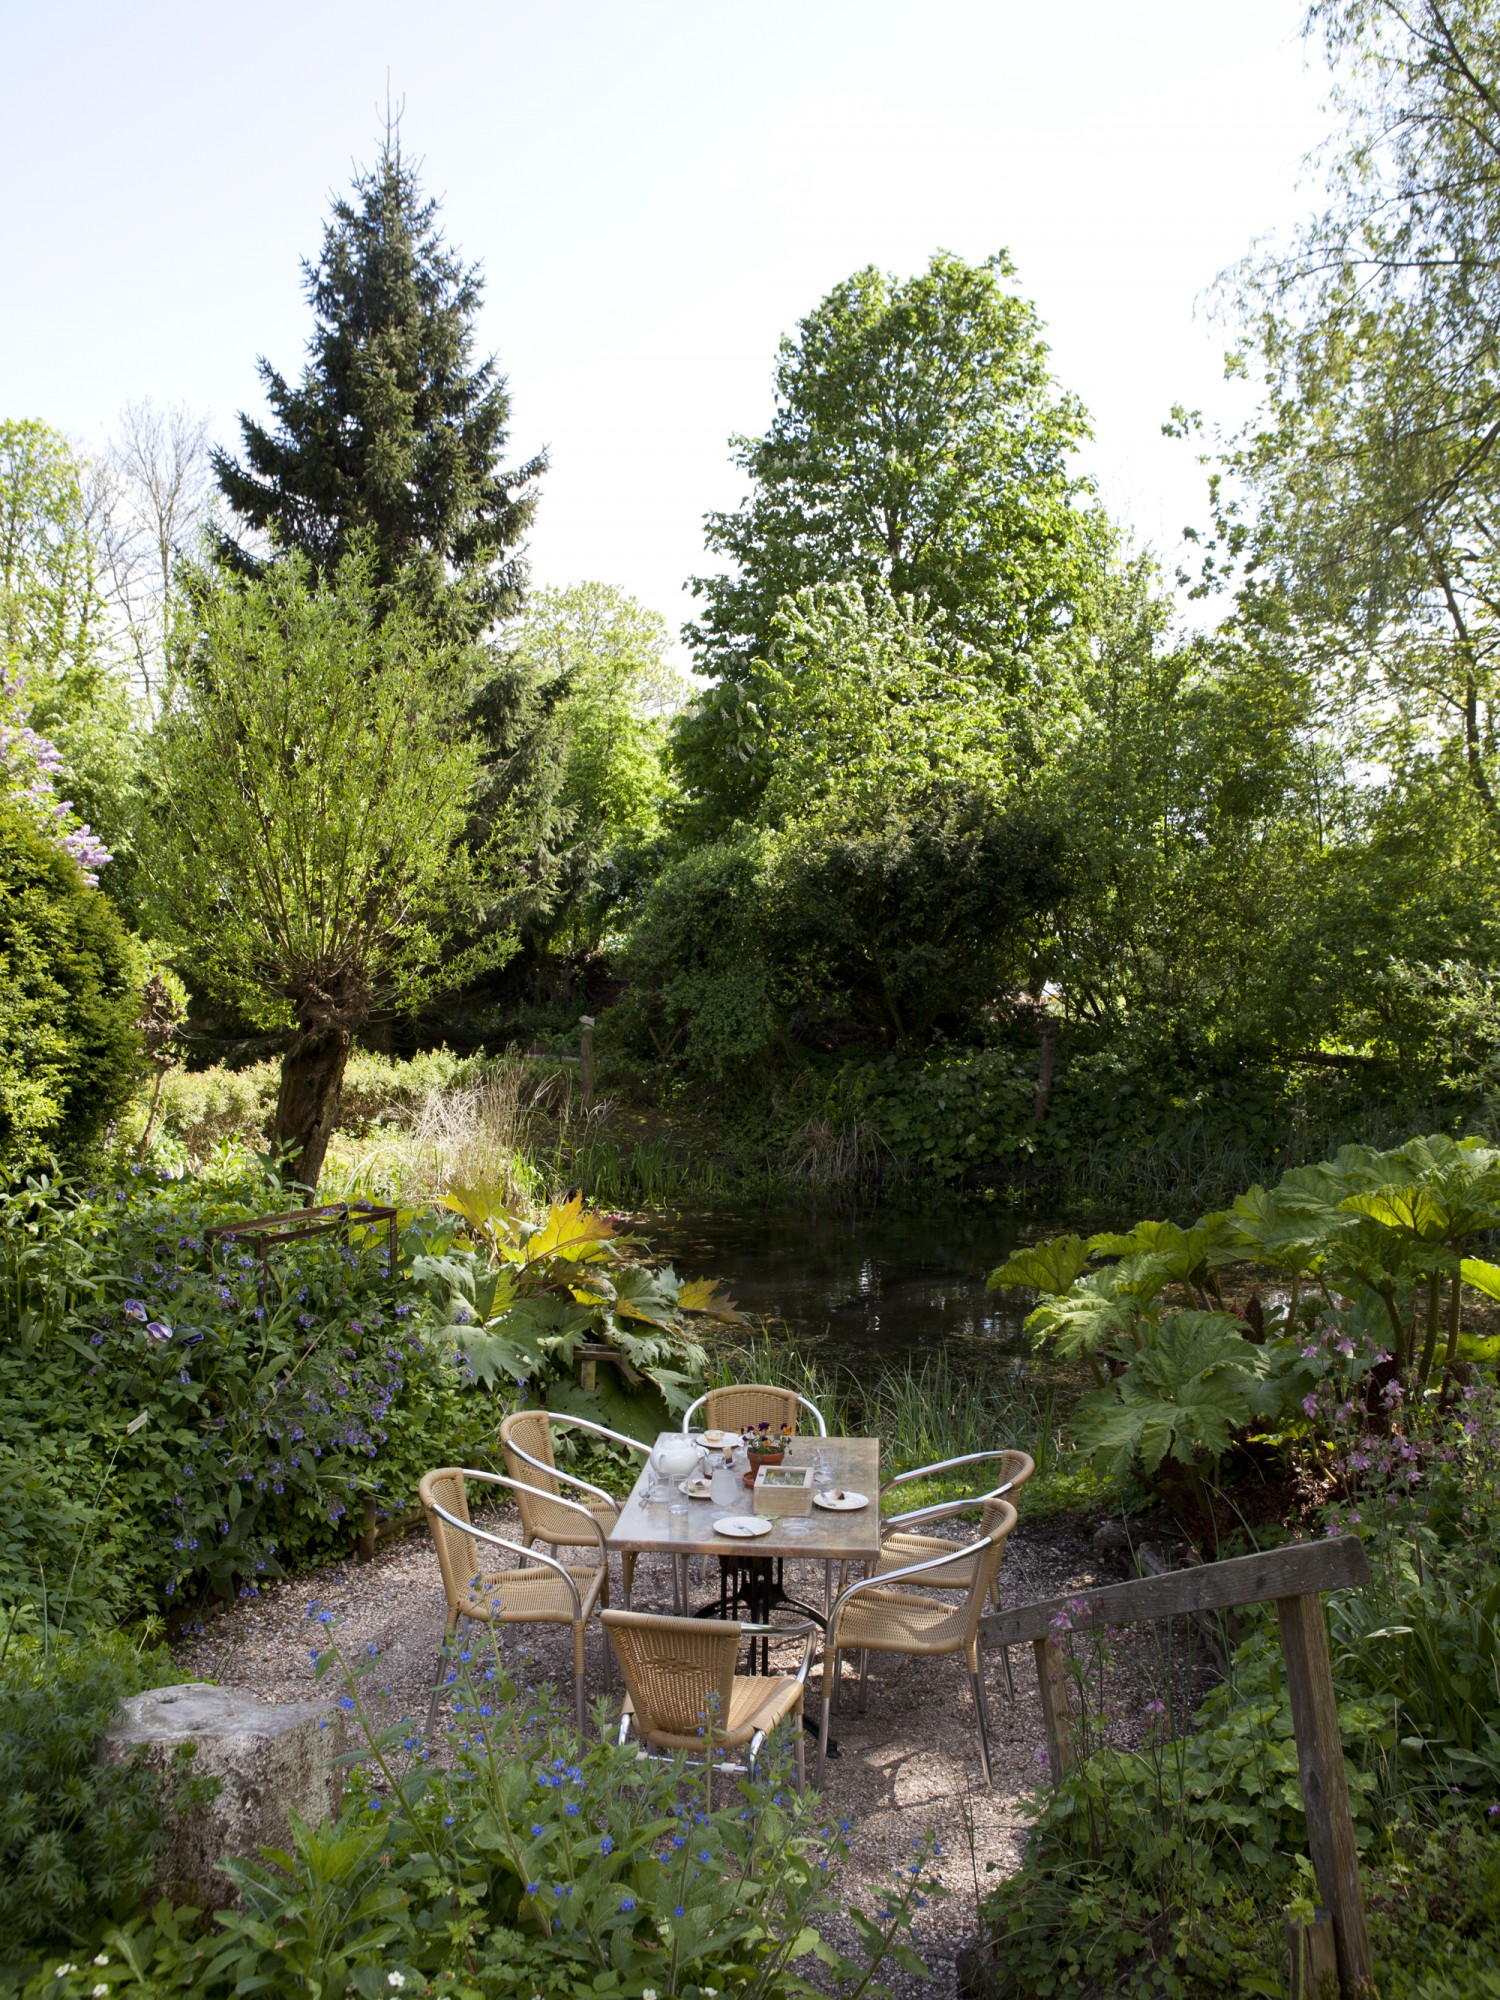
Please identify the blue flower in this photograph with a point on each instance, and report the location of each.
(607, 1845)
(628, 1905)
(571, 1809)
(679, 1911)
(537, 1832)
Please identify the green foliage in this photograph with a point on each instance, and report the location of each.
(1163, 1868)
(918, 443)
(213, 1435)
(520, 1296)
(391, 440)
(79, 1839)
(69, 1052)
(309, 786)
(1187, 1391)
(893, 876)
(534, 1864)
(171, 1425)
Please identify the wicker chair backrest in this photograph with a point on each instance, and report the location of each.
(679, 1672)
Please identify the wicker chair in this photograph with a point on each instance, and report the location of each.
(901, 1544)
(680, 1679)
(743, 1407)
(871, 1617)
(541, 1592)
(526, 1441)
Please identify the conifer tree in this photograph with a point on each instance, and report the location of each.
(395, 432)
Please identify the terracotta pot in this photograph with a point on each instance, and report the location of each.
(760, 1458)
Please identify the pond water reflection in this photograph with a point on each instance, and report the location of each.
(860, 1286)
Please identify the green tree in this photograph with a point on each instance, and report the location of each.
(888, 881)
(919, 445)
(69, 996)
(607, 660)
(1363, 507)
(394, 434)
(61, 678)
(310, 781)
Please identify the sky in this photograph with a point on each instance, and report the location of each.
(657, 192)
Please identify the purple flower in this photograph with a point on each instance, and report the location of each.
(158, 1329)
(135, 1310)
(1310, 1404)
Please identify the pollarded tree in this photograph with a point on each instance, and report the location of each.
(395, 432)
(310, 785)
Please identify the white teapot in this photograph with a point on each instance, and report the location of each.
(675, 1459)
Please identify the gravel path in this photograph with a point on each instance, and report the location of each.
(910, 1763)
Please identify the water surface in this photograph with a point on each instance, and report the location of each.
(863, 1286)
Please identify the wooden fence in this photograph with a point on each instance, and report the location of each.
(1295, 1579)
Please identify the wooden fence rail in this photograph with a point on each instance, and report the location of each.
(1294, 1578)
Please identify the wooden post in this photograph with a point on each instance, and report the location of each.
(1325, 1794)
(586, 1055)
(1313, 1959)
(1051, 1681)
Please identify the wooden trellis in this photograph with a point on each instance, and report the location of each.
(1294, 1578)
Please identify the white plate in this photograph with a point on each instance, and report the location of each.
(695, 1489)
(850, 1503)
(721, 1440)
(742, 1527)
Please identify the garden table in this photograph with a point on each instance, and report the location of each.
(649, 1526)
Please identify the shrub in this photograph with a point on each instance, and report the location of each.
(214, 1434)
(69, 1052)
(79, 1840)
(532, 1864)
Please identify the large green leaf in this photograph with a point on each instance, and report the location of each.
(1050, 1268)
(1185, 1394)
(1085, 1318)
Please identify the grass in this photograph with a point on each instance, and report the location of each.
(924, 1412)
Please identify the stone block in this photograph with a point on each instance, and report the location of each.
(270, 1759)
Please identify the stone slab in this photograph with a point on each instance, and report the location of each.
(271, 1759)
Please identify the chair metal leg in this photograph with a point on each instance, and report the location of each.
(752, 1754)
(830, 1695)
(437, 1685)
(578, 1677)
(864, 1677)
(981, 1716)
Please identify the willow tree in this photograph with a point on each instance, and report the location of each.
(311, 779)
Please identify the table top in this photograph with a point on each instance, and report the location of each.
(821, 1535)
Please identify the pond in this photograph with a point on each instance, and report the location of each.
(863, 1286)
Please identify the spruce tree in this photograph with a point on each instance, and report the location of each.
(395, 432)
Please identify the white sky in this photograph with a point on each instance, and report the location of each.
(656, 191)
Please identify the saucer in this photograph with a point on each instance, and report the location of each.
(721, 1440)
(838, 1501)
(696, 1489)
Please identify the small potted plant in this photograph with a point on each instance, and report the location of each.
(765, 1446)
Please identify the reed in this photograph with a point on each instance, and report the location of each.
(926, 1411)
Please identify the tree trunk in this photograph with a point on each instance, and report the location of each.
(307, 1105)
